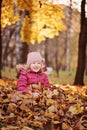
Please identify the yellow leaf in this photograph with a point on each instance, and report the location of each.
(2, 83)
(66, 127)
(76, 109)
(26, 128)
(49, 102)
(52, 109)
(37, 124)
(55, 92)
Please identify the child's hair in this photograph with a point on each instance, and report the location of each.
(34, 57)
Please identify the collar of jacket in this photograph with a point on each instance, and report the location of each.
(31, 71)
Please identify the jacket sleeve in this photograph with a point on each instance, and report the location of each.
(22, 81)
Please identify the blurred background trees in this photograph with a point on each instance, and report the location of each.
(51, 29)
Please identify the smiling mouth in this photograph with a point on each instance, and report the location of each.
(36, 68)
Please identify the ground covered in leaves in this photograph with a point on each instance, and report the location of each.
(62, 108)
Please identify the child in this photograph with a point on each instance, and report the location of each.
(33, 75)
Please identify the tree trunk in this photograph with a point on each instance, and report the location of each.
(0, 41)
(21, 52)
(68, 36)
(68, 56)
(56, 56)
(21, 48)
(79, 78)
(18, 45)
(25, 49)
(86, 63)
(7, 50)
(46, 51)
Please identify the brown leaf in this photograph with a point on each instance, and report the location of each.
(80, 123)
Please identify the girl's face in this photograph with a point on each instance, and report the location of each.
(36, 66)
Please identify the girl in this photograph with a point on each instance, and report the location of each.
(33, 75)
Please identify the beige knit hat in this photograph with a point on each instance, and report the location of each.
(34, 57)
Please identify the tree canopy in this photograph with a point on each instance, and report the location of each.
(39, 19)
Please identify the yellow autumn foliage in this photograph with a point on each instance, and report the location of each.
(7, 14)
(43, 19)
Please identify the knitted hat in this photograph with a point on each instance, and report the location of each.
(34, 57)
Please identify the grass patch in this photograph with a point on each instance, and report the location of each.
(64, 78)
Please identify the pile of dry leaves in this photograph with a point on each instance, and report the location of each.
(63, 108)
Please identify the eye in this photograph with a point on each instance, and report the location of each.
(33, 63)
(39, 63)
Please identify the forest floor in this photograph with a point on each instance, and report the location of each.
(62, 108)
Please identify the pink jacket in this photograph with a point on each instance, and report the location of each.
(27, 78)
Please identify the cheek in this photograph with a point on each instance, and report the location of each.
(40, 66)
(31, 66)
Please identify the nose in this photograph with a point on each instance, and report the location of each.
(36, 64)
